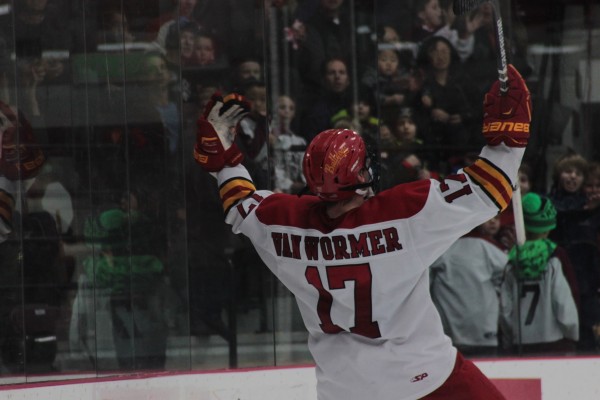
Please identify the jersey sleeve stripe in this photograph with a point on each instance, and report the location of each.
(233, 190)
(7, 204)
(492, 180)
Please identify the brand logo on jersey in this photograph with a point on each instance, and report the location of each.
(419, 378)
(336, 247)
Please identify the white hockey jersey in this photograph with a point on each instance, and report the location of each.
(362, 280)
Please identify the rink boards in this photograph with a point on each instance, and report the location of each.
(522, 379)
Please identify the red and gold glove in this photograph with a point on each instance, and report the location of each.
(20, 156)
(507, 116)
(215, 147)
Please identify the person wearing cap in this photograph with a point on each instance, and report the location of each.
(545, 319)
(406, 130)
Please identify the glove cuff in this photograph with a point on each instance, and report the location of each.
(216, 162)
(209, 162)
(233, 156)
(207, 138)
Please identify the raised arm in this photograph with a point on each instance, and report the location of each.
(506, 121)
(481, 190)
(216, 152)
(215, 147)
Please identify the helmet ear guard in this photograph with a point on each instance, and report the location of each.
(333, 164)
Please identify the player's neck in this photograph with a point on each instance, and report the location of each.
(340, 208)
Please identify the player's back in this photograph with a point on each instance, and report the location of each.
(362, 285)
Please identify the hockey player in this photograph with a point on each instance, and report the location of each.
(357, 263)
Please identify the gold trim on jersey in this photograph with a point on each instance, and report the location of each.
(7, 203)
(492, 180)
(235, 189)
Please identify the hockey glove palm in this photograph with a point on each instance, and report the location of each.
(215, 147)
(506, 117)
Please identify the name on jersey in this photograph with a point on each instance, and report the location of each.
(336, 247)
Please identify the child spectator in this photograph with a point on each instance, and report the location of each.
(205, 52)
(568, 177)
(406, 137)
(428, 19)
(389, 81)
(362, 116)
(538, 311)
(406, 130)
(472, 268)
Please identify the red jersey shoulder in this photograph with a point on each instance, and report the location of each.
(287, 210)
(308, 212)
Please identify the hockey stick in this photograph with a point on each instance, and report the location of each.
(462, 7)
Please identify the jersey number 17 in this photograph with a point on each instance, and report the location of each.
(337, 276)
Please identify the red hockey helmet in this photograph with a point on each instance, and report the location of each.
(333, 162)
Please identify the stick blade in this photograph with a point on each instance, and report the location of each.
(463, 7)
